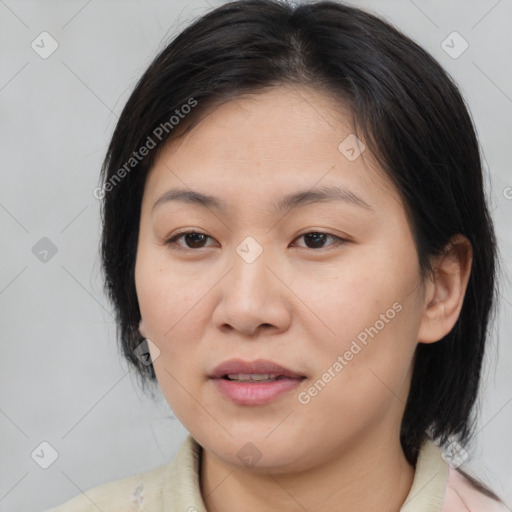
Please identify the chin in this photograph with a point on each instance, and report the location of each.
(253, 451)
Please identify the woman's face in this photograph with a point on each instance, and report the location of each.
(326, 286)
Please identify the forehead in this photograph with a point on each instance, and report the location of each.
(276, 120)
(272, 144)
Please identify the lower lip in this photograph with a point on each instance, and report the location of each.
(254, 393)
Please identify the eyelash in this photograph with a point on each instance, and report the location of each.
(172, 242)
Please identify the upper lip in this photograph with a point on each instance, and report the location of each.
(259, 366)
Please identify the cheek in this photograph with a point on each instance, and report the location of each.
(170, 306)
(368, 312)
(166, 298)
(362, 372)
(174, 308)
(344, 299)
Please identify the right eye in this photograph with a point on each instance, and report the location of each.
(193, 240)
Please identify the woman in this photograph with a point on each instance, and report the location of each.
(298, 248)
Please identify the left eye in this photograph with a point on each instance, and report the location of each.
(196, 240)
(317, 238)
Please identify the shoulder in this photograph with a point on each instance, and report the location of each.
(173, 486)
(123, 495)
(462, 496)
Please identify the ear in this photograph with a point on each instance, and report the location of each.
(445, 290)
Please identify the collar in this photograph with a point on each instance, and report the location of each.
(182, 487)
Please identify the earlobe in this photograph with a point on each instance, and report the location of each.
(142, 329)
(445, 290)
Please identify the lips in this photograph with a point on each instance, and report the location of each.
(250, 386)
(258, 367)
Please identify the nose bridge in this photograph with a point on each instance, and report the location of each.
(251, 294)
(250, 273)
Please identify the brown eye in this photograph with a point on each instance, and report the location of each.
(196, 240)
(193, 240)
(317, 239)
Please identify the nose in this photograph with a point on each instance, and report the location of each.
(253, 298)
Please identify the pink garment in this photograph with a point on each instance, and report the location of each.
(461, 496)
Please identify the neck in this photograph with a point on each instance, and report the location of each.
(369, 476)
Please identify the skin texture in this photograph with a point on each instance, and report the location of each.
(300, 303)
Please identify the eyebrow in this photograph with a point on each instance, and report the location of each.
(331, 193)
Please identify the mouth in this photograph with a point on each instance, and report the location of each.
(260, 370)
(254, 383)
(255, 377)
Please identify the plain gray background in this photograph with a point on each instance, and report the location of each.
(63, 381)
